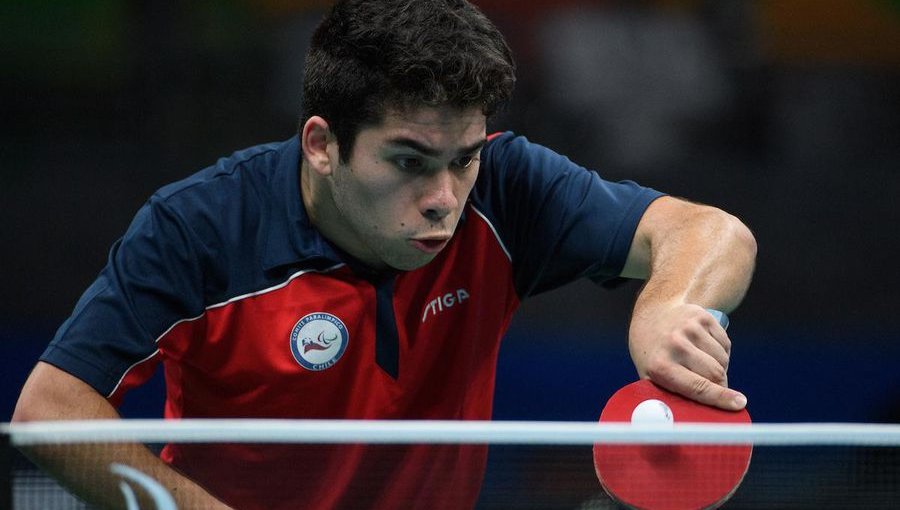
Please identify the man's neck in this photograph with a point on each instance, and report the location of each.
(323, 215)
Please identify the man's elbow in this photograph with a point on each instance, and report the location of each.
(37, 399)
(28, 408)
(742, 238)
(52, 394)
(729, 233)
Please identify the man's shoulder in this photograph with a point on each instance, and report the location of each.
(245, 169)
(240, 197)
(508, 155)
(499, 144)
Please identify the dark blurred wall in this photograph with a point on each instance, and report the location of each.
(786, 113)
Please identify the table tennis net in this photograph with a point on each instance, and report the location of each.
(436, 465)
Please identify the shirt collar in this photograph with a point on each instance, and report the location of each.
(291, 238)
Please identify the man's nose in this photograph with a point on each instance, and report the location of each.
(438, 199)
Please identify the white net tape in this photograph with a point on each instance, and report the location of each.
(447, 432)
(263, 464)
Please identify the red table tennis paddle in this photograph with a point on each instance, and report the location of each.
(669, 477)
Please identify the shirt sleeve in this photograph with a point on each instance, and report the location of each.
(558, 221)
(152, 279)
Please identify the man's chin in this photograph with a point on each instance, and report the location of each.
(412, 263)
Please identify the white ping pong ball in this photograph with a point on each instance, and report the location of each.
(652, 412)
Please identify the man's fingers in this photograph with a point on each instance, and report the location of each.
(683, 381)
(710, 346)
(707, 367)
(718, 333)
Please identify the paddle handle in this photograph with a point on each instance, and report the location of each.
(720, 316)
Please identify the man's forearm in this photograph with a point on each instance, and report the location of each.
(704, 257)
(85, 470)
(51, 395)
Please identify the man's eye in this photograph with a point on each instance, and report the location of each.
(464, 162)
(409, 163)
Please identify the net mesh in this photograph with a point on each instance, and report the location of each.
(817, 470)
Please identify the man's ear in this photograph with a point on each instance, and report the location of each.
(315, 137)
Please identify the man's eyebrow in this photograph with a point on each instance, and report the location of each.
(475, 147)
(431, 152)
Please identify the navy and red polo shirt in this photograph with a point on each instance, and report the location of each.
(222, 278)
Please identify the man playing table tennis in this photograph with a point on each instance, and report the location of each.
(368, 268)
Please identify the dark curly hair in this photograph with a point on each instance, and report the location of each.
(369, 55)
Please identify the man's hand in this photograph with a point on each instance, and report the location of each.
(683, 349)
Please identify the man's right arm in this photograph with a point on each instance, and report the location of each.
(52, 394)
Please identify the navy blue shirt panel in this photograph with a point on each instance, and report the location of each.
(559, 221)
(152, 279)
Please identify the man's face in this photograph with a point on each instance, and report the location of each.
(400, 197)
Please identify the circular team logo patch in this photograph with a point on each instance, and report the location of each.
(318, 341)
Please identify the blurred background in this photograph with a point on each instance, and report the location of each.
(785, 113)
